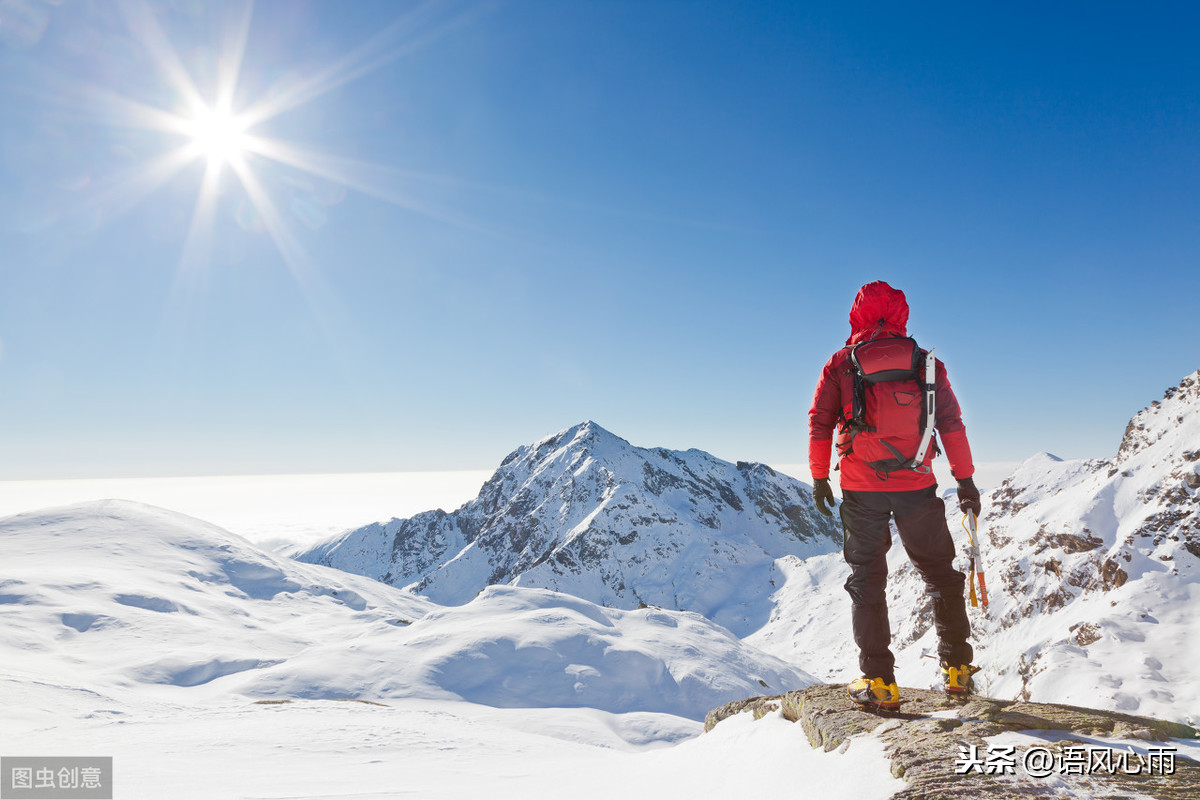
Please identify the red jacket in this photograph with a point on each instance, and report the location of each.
(879, 309)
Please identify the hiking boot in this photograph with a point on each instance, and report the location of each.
(958, 678)
(874, 693)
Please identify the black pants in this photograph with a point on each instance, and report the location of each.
(921, 519)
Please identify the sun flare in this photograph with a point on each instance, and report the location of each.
(217, 135)
(222, 131)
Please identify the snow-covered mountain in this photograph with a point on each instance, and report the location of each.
(587, 513)
(1093, 568)
(107, 604)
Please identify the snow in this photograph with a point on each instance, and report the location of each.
(149, 598)
(810, 622)
(440, 749)
(1065, 624)
(136, 632)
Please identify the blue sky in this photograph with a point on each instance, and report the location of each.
(509, 217)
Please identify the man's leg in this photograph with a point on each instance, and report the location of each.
(865, 517)
(921, 520)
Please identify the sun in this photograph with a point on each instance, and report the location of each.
(217, 134)
(220, 125)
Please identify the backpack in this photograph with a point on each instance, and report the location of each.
(889, 422)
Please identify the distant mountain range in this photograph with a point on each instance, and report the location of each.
(587, 513)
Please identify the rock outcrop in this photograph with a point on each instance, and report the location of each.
(941, 746)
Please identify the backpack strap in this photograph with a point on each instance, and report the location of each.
(930, 411)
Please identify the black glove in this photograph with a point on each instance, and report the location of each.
(968, 496)
(823, 492)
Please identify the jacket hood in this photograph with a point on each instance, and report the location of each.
(878, 309)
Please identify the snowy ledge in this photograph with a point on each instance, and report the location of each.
(929, 744)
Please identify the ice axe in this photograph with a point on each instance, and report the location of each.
(976, 562)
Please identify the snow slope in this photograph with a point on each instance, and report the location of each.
(585, 512)
(428, 749)
(121, 600)
(209, 668)
(1093, 568)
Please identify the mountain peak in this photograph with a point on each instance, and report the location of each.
(585, 512)
(582, 437)
(586, 434)
(1174, 420)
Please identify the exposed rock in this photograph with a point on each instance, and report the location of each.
(1086, 633)
(929, 742)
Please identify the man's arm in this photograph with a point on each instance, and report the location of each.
(954, 438)
(823, 417)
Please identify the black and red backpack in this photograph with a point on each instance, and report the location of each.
(888, 424)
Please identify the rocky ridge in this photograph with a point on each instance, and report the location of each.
(1091, 753)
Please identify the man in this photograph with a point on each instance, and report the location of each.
(875, 490)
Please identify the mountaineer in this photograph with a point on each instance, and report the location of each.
(878, 391)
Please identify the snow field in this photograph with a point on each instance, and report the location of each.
(208, 668)
(123, 599)
(444, 749)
